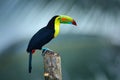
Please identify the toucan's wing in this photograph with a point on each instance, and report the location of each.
(42, 37)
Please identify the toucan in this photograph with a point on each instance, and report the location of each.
(46, 34)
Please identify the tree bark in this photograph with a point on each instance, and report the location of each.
(52, 66)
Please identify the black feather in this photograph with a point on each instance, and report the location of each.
(42, 37)
(30, 62)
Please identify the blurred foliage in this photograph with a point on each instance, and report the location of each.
(83, 58)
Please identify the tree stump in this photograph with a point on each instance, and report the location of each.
(52, 65)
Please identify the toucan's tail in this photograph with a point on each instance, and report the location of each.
(30, 62)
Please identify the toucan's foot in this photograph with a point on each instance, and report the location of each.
(44, 51)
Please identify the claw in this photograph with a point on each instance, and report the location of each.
(44, 51)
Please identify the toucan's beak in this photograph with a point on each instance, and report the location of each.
(74, 23)
(67, 20)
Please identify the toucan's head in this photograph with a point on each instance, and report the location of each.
(61, 19)
(67, 20)
(55, 22)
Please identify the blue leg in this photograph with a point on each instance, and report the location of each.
(44, 50)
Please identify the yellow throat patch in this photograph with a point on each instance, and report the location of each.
(57, 26)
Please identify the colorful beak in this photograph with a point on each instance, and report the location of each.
(67, 20)
(74, 23)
